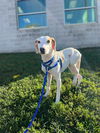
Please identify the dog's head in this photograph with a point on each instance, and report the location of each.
(45, 45)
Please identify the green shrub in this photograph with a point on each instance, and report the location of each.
(78, 110)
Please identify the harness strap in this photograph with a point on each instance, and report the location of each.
(48, 63)
(60, 61)
(51, 67)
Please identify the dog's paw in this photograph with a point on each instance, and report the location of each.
(74, 80)
(79, 80)
(46, 94)
(57, 100)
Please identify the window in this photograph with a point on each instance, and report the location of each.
(79, 11)
(31, 13)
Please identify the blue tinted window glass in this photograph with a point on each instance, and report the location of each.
(27, 6)
(74, 3)
(31, 21)
(91, 15)
(80, 16)
(90, 2)
(76, 16)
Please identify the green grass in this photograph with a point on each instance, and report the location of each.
(20, 86)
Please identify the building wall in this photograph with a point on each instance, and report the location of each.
(13, 39)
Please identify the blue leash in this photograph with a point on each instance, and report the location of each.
(47, 67)
(40, 100)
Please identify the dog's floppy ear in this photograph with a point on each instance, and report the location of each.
(36, 46)
(53, 44)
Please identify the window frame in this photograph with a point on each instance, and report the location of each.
(80, 8)
(31, 13)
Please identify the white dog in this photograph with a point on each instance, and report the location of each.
(57, 61)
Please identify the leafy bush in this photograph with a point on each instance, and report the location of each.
(78, 110)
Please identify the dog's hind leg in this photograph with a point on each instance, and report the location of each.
(49, 79)
(75, 70)
(79, 77)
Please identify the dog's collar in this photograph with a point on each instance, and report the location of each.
(48, 66)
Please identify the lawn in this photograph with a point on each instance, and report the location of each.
(20, 86)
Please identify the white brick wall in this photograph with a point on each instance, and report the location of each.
(14, 40)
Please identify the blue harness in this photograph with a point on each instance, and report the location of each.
(47, 67)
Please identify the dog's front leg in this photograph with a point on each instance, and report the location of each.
(49, 79)
(58, 79)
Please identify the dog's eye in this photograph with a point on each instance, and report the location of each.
(48, 41)
(38, 41)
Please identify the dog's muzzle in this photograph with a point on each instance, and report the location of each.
(42, 50)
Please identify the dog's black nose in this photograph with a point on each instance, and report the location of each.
(42, 50)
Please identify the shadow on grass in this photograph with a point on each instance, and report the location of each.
(91, 59)
(17, 66)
